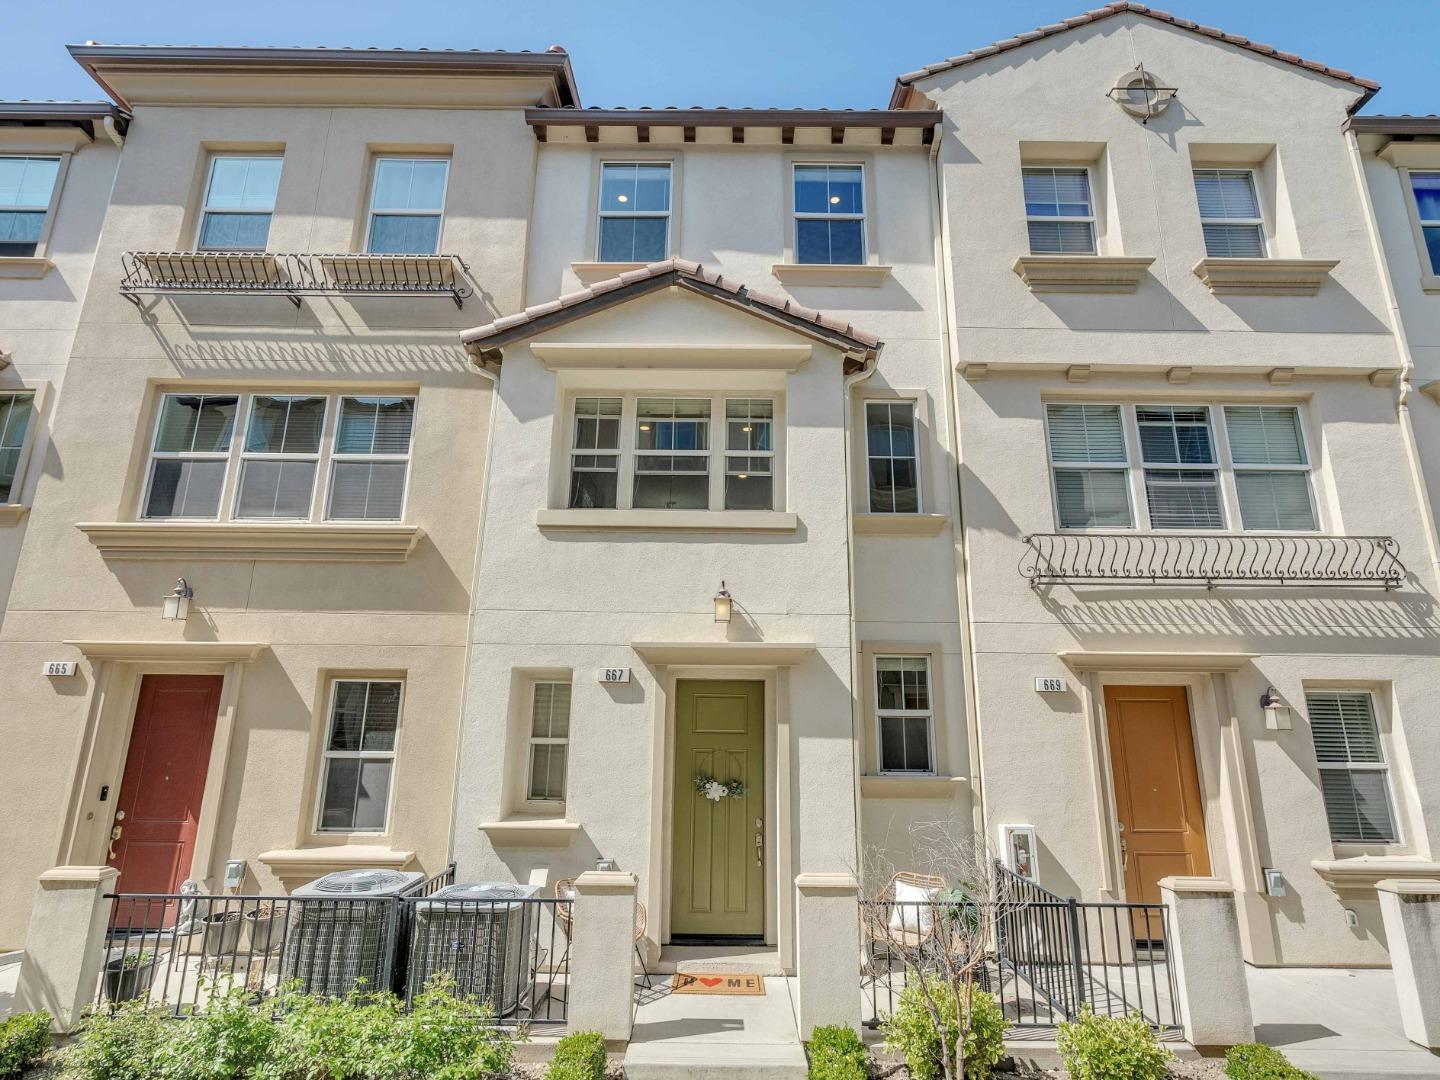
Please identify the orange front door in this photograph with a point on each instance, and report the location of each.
(1157, 790)
(158, 808)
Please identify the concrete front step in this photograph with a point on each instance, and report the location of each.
(715, 1061)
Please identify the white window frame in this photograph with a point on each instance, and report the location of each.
(318, 457)
(882, 714)
(768, 455)
(229, 502)
(1212, 467)
(629, 453)
(800, 215)
(601, 213)
(1427, 266)
(532, 740)
(1258, 222)
(47, 221)
(326, 755)
(27, 443)
(1382, 766)
(573, 452)
(439, 214)
(1134, 468)
(1090, 219)
(914, 404)
(205, 208)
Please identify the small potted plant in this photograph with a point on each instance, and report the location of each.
(267, 927)
(222, 933)
(129, 976)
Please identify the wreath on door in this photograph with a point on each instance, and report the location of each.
(716, 790)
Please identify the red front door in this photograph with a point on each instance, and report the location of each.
(159, 803)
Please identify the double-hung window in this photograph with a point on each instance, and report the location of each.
(26, 187)
(1354, 776)
(1058, 211)
(750, 457)
(1184, 492)
(634, 211)
(1426, 188)
(894, 474)
(904, 714)
(16, 411)
(359, 755)
(549, 739)
(595, 453)
(354, 447)
(830, 214)
(1230, 214)
(1089, 465)
(672, 454)
(239, 202)
(1272, 470)
(407, 202)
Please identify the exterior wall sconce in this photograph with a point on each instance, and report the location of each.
(723, 605)
(1277, 713)
(176, 607)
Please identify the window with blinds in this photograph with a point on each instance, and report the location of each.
(1354, 776)
(1185, 494)
(549, 741)
(1058, 212)
(1272, 471)
(1089, 466)
(262, 457)
(1230, 214)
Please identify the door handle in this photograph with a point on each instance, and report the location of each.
(115, 831)
(759, 842)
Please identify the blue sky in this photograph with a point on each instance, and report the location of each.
(708, 52)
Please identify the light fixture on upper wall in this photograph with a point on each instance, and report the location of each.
(176, 606)
(1140, 94)
(723, 604)
(1277, 713)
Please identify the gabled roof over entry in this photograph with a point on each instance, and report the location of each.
(1123, 7)
(486, 342)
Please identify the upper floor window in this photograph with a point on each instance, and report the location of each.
(1191, 480)
(634, 211)
(1230, 214)
(894, 466)
(290, 447)
(1058, 212)
(829, 214)
(904, 714)
(407, 203)
(26, 187)
(15, 413)
(672, 453)
(359, 755)
(1426, 187)
(549, 740)
(239, 202)
(1354, 777)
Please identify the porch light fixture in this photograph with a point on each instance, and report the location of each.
(723, 604)
(176, 606)
(1277, 713)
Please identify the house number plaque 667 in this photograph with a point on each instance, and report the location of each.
(614, 675)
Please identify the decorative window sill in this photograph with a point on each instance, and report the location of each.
(901, 524)
(1082, 273)
(866, 276)
(22, 266)
(296, 866)
(1264, 277)
(704, 520)
(1361, 872)
(299, 542)
(12, 514)
(531, 832)
(910, 787)
(1430, 282)
(591, 272)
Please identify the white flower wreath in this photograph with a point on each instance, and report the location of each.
(715, 790)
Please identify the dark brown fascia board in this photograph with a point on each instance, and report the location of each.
(782, 118)
(489, 349)
(1394, 125)
(190, 58)
(80, 114)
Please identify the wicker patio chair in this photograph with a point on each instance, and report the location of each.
(565, 890)
(878, 927)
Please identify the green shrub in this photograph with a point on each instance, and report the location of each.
(1255, 1061)
(836, 1053)
(446, 1036)
(231, 1037)
(122, 1044)
(912, 1033)
(352, 1038)
(1112, 1048)
(579, 1056)
(24, 1038)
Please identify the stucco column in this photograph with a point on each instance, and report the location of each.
(1411, 910)
(1204, 947)
(602, 956)
(827, 951)
(65, 944)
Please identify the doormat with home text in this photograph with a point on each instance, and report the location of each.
(717, 982)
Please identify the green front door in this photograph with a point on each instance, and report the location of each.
(718, 868)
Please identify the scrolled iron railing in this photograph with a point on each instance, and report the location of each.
(1211, 559)
(238, 273)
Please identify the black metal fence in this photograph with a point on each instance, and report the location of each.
(178, 951)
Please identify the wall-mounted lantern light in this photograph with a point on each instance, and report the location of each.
(723, 604)
(1277, 713)
(176, 607)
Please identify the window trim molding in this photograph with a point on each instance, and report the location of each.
(212, 156)
(367, 223)
(331, 682)
(1429, 275)
(39, 263)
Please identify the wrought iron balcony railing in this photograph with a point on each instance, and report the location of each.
(236, 273)
(1210, 560)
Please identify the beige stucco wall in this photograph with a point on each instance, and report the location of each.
(317, 618)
